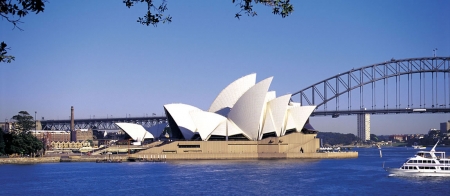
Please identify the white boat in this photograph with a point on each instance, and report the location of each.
(419, 147)
(424, 163)
(325, 148)
(415, 146)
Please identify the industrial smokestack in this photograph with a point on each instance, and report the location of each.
(72, 120)
(73, 134)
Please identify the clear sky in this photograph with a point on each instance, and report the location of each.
(93, 55)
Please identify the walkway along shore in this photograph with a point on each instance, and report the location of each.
(193, 156)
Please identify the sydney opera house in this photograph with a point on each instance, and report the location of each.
(246, 120)
(244, 110)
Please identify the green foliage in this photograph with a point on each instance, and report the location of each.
(337, 138)
(2, 142)
(374, 138)
(24, 122)
(279, 7)
(9, 9)
(155, 13)
(20, 140)
(4, 58)
(23, 143)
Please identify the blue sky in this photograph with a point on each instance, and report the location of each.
(93, 55)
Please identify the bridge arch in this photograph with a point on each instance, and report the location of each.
(413, 71)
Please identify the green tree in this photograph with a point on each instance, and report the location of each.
(2, 142)
(20, 140)
(14, 10)
(155, 13)
(373, 137)
(332, 139)
(23, 143)
(24, 122)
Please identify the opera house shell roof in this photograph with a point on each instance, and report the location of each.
(135, 131)
(244, 109)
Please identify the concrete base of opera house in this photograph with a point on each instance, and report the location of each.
(292, 146)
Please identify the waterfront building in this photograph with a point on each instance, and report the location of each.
(68, 145)
(62, 136)
(52, 135)
(399, 138)
(84, 135)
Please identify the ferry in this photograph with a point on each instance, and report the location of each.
(424, 163)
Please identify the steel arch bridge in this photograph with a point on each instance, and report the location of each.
(102, 123)
(395, 86)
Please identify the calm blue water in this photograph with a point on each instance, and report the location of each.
(363, 175)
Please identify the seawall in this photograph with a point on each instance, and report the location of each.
(236, 156)
(184, 156)
(29, 160)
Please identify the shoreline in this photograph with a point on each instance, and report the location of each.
(181, 157)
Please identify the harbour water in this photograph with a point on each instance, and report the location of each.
(362, 175)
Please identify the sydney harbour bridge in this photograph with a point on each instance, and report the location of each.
(413, 85)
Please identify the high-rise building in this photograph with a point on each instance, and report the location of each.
(445, 127)
(363, 126)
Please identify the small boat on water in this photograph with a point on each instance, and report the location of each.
(424, 163)
(415, 146)
(419, 147)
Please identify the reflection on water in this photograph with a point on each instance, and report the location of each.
(223, 177)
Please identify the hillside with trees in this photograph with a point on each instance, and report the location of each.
(331, 139)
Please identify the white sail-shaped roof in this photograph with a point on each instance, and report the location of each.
(157, 130)
(206, 122)
(221, 129)
(227, 127)
(243, 107)
(269, 96)
(269, 124)
(298, 116)
(247, 111)
(181, 115)
(233, 129)
(135, 131)
(277, 109)
(229, 95)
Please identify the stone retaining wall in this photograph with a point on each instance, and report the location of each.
(29, 160)
(231, 156)
(185, 156)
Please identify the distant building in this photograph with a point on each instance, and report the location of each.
(83, 135)
(51, 135)
(6, 126)
(62, 136)
(434, 133)
(363, 126)
(400, 138)
(445, 127)
(68, 145)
